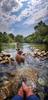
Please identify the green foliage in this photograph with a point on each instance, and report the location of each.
(6, 38)
(40, 35)
(1, 37)
(0, 47)
(19, 38)
(41, 28)
(11, 36)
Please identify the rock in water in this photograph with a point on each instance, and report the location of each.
(41, 81)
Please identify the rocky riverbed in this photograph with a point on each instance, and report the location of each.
(32, 71)
(11, 85)
(40, 54)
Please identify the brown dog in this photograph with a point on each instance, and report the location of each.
(20, 58)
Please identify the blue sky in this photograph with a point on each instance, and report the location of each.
(20, 16)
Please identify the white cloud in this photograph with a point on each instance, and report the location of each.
(40, 14)
(24, 13)
(10, 5)
(36, 10)
(8, 18)
(35, 2)
(4, 27)
(36, 16)
(22, 0)
(18, 6)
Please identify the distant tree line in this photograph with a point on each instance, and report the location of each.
(8, 38)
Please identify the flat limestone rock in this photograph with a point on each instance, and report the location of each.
(28, 73)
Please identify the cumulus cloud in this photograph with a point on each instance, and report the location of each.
(12, 11)
(37, 12)
(7, 5)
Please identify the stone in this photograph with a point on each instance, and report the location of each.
(41, 81)
(0, 58)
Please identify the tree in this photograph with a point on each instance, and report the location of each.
(41, 28)
(5, 37)
(19, 38)
(11, 36)
(1, 37)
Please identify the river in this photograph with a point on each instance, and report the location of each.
(30, 61)
(35, 63)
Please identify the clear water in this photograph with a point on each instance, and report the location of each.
(35, 63)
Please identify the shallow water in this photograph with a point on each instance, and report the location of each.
(35, 63)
